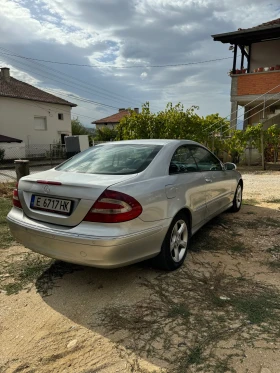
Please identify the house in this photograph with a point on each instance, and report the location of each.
(113, 120)
(31, 115)
(255, 74)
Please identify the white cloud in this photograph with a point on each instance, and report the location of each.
(110, 34)
(143, 75)
(18, 23)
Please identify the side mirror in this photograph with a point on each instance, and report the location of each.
(230, 166)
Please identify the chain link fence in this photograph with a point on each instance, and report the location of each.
(41, 157)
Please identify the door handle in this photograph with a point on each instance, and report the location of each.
(208, 180)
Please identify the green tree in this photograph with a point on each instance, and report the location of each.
(235, 145)
(272, 142)
(174, 122)
(78, 128)
(105, 134)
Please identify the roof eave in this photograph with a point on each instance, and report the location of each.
(44, 101)
(107, 121)
(250, 36)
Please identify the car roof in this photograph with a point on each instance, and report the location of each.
(151, 142)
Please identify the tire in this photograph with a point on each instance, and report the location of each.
(175, 245)
(237, 201)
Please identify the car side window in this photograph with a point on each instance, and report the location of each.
(205, 160)
(182, 161)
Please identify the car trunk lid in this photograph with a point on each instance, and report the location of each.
(40, 193)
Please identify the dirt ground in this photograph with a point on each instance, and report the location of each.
(219, 313)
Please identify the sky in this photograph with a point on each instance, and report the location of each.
(122, 40)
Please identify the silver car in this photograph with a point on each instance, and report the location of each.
(122, 202)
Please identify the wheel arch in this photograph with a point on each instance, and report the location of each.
(240, 181)
(188, 215)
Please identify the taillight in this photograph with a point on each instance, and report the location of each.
(114, 207)
(16, 201)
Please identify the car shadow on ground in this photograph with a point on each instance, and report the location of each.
(157, 315)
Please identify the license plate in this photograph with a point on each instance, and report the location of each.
(62, 206)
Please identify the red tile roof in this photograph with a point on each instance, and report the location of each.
(273, 23)
(17, 89)
(115, 118)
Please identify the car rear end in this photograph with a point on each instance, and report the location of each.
(76, 213)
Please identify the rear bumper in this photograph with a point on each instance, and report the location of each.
(104, 252)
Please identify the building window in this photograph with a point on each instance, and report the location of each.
(60, 116)
(40, 123)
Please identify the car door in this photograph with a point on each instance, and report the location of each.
(218, 181)
(187, 185)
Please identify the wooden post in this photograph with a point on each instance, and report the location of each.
(234, 59)
(22, 168)
(249, 59)
(51, 154)
(242, 59)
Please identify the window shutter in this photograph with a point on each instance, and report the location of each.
(40, 123)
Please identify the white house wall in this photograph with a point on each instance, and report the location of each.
(111, 126)
(17, 120)
(265, 54)
(13, 150)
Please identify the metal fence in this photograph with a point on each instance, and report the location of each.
(41, 157)
(33, 151)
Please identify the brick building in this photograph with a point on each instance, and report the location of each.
(255, 74)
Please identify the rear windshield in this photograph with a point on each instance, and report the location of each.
(112, 159)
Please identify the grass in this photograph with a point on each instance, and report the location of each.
(238, 248)
(226, 239)
(257, 223)
(250, 201)
(26, 269)
(273, 200)
(211, 307)
(274, 249)
(19, 271)
(194, 357)
(6, 237)
(258, 308)
(179, 310)
(271, 222)
(6, 190)
(274, 265)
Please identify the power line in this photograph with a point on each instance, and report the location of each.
(107, 93)
(83, 88)
(119, 67)
(48, 77)
(85, 85)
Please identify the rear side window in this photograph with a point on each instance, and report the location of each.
(183, 161)
(205, 160)
(112, 159)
